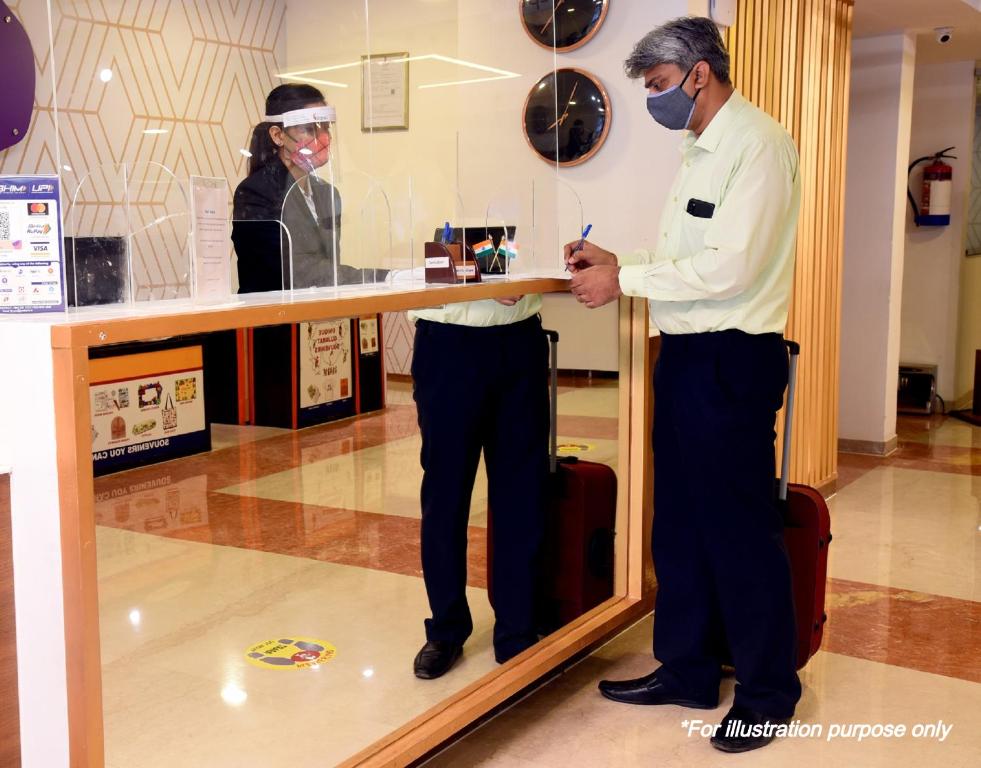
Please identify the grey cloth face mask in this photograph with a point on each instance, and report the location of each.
(673, 108)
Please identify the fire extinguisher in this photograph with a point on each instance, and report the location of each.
(934, 208)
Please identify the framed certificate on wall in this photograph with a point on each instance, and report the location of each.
(385, 92)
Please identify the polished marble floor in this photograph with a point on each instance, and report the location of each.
(902, 643)
(315, 534)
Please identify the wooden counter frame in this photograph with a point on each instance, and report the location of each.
(633, 597)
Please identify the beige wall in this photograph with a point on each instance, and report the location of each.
(878, 146)
(969, 322)
(969, 329)
(943, 116)
(470, 137)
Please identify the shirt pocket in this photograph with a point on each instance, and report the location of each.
(693, 230)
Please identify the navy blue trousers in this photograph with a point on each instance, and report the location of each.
(722, 568)
(482, 389)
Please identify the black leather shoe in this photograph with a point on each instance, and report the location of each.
(743, 730)
(435, 659)
(651, 690)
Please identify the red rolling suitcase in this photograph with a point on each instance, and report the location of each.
(580, 519)
(807, 534)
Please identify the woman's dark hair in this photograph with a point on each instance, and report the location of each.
(282, 98)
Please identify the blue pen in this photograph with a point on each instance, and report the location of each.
(447, 233)
(582, 242)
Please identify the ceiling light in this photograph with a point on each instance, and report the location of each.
(501, 74)
(155, 131)
(462, 82)
(105, 75)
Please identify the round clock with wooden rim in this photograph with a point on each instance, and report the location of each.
(562, 25)
(567, 117)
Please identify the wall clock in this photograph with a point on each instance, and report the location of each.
(567, 117)
(562, 25)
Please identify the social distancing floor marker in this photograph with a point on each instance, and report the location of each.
(290, 653)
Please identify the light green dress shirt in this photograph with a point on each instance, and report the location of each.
(734, 270)
(481, 314)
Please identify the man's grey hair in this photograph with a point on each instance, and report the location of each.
(683, 42)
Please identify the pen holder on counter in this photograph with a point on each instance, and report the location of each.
(451, 263)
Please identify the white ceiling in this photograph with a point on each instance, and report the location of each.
(882, 17)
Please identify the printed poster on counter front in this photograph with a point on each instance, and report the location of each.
(154, 410)
(326, 370)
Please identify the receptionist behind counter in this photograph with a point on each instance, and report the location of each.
(286, 210)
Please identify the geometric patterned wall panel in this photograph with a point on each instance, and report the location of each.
(399, 335)
(195, 71)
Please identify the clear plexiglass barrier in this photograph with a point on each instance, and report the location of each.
(219, 152)
(127, 236)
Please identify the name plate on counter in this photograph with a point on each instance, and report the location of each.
(450, 263)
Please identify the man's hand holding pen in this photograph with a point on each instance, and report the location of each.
(582, 254)
(595, 273)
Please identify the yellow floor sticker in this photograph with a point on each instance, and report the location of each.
(290, 653)
(570, 449)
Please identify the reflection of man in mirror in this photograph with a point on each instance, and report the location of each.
(719, 285)
(479, 372)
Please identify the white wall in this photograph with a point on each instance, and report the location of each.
(969, 324)
(27, 447)
(878, 145)
(943, 115)
(969, 329)
(621, 189)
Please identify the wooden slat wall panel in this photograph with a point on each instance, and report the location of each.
(792, 58)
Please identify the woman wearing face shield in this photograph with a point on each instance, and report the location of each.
(287, 219)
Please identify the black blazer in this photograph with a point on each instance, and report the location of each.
(268, 196)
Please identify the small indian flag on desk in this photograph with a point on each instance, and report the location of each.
(486, 248)
(508, 249)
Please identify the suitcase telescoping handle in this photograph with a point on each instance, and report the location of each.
(794, 349)
(553, 400)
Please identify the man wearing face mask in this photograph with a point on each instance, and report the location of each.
(719, 282)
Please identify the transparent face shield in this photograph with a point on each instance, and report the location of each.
(312, 209)
(306, 137)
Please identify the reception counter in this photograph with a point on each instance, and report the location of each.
(47, 443)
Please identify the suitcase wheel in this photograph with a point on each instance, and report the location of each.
(829, 537)
(824, 618)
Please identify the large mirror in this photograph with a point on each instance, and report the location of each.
(259, 491)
